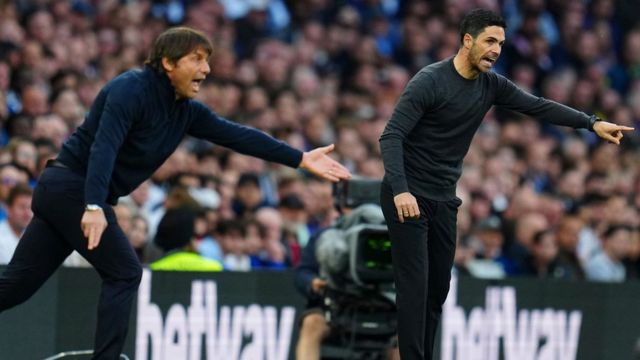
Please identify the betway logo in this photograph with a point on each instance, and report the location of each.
(496, 329)
(187, 333)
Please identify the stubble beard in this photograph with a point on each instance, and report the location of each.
(474, 59)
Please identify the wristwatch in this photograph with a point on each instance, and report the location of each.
(92, 207)
(592, 121)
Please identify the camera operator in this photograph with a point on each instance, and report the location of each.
(313, 325)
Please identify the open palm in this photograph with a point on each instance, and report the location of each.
(320, 164)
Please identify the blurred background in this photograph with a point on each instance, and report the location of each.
(539, 201)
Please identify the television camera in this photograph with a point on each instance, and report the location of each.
(355, 258)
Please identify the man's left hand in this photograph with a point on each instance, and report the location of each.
(610, 132)
(320, 164)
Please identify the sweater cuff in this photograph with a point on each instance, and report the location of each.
(592, 121)
(399, 186)
(295, 159)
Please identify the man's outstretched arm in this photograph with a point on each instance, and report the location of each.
(510, 96)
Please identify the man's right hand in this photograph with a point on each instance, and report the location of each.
(93, 224)
(318, 285)
(406, 206)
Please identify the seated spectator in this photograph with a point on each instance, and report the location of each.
(207, 245)
(261, 257)
(592, 213)
(607, 265)
(50, 127)
(296, 232)
(175, 236)
(18, 216)
(248, 195)
(176, 197)
(232, 238)
(567, 237)
(124, 213)
(138, 236)
(271, 220)
(543, 261)
(526, 226)
(487, 243)
(24, 153)
(10, 175)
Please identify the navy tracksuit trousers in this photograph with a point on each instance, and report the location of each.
(54, 231)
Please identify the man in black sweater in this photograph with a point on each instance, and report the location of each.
(135, 123)
(423, 146)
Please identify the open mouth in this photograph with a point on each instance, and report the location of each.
(489, 60)
(195, 84)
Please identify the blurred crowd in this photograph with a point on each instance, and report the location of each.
(538, 200)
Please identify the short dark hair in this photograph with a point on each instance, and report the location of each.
(18, 191)
(248, 179)
(175, 43)
(476, 20)
(291, 201)
(614, 228)
(176, 228)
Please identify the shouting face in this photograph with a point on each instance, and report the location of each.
(485, 48)
(188, 72)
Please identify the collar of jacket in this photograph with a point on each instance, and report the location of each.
(164, 86)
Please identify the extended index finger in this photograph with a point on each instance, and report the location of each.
(625, 128)
(92, 236)
(98, 236)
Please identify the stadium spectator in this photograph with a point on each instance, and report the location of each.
(207, 245)
(567, 235)
(234, 245)
(175, 238)
(11, 175)
(272, 222)
(248, 195)
(138, 236)
(543, 261)
(486, 244)
(24, 153)
(607, 265)
(18, 216)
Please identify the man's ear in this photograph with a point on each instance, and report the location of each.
(467, 41)
(167, 64)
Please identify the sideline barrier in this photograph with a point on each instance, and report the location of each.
(254, 316)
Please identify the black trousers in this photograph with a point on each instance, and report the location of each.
(422, 252)
(54, 231)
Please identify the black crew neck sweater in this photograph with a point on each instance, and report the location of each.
(436, 117)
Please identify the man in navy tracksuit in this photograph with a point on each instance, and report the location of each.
(135, 123)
